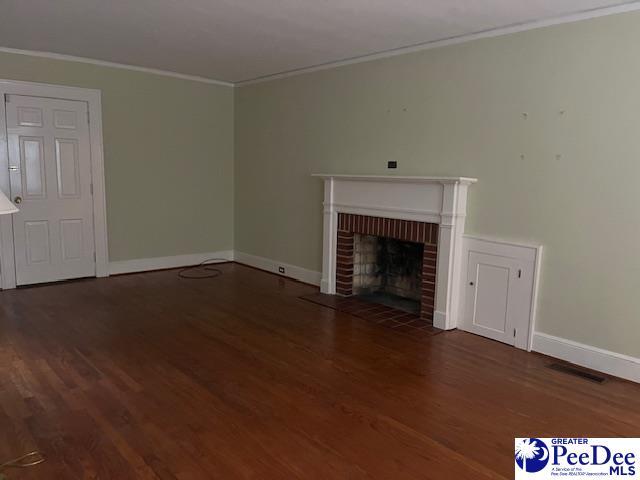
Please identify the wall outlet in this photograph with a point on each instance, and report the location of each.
(392, 164)
(281, 269)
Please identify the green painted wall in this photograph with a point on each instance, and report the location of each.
(566, 180)
(168, 146)
(459, 110)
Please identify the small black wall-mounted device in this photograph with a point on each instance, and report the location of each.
(392, 164)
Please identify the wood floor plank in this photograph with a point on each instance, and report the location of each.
(150, 376)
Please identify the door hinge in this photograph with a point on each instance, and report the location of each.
(519, 273)
(7, 98)
(514, 333)
(94, 256)
(91, 188)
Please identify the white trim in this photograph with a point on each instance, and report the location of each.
(93, 100)
(292, 271)
(123, 66)
(626, 7)
(399, 213)
(529, 253)
(7, 261)
(488, 238)
(617, 364)
(612, 363)
(161, 263)
(398, 178)
(503, 248)
(494, 32)
(534, 300)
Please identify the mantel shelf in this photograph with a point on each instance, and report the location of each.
(398, 179)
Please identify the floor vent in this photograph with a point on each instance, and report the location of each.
(577, 372)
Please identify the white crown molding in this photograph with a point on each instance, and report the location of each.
(161, 263)
(494, 32)
(623, 366)
(626, 7)
(123, 66)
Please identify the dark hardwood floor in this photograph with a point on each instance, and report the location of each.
(155, 377)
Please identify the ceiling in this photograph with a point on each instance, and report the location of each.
(239, 40)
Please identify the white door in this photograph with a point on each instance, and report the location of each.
(499, 290)
(50, 173)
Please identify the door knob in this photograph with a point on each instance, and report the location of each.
(17, 200)
(471, 283)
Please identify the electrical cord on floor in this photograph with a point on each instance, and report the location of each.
(203, 270)
(29, 460)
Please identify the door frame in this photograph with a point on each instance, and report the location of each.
(527, 253)
(93, 100)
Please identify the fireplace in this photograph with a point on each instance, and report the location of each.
(429, 211)
(387, 269)
(387, 260)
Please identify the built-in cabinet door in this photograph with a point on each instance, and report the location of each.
(50, 173)
(497, 297)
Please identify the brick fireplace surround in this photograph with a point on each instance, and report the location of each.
(405, 230)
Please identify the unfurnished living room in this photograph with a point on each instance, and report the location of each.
(338, 239)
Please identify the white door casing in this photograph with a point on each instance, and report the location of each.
(74, 237)
(50, 172)
(499, 289)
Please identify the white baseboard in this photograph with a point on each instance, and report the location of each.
(159, 263)
(291, 271)
(439, 320)
(613, 363)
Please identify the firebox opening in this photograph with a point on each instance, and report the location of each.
(388, 271)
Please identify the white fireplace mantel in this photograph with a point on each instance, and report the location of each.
(441, 200)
